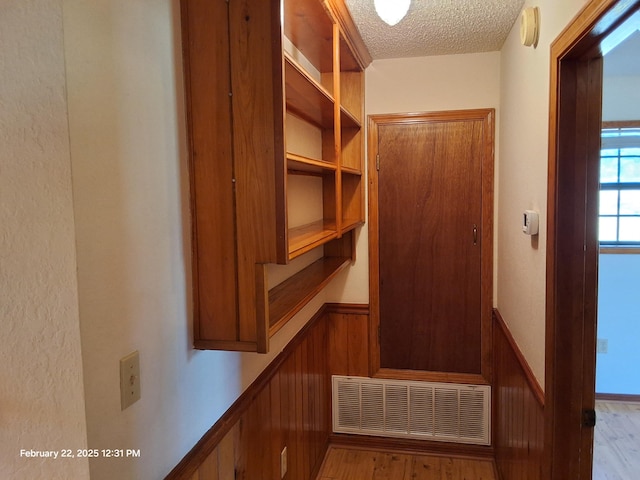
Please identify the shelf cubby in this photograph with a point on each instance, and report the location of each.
(352, 149)
(306, 97)
(352, 201)
(310, 29)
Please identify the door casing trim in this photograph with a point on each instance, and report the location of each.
(572, 246)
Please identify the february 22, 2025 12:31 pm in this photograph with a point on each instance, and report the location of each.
(82, 453)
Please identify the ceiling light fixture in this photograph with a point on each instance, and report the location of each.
(392, 11)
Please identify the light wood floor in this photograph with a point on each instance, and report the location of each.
(616, 455)
(616, 450)
(353, 464)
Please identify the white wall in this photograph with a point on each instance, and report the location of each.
(130, 188)
(620, 98)
(522, 184)
(618, 306)
(41, 397)
(421, 84)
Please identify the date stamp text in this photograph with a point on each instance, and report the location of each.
(81, 453)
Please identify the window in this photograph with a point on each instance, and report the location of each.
(620, 184)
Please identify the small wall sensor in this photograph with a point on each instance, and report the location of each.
(530, 222)
(530, 26)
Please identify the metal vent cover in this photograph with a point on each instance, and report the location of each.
(447, 412)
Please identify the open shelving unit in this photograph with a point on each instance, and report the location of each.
(273, 126)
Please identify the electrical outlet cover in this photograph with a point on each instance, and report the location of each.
(602, 345)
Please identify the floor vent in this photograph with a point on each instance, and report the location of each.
(447, 412)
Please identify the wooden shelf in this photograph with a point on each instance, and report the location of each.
(306, 97)
(351, 223)
(288, 298)
(307, 237)
(299, 163)
(348, 119)
(351, 171)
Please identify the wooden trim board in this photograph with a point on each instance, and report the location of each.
(618, 397)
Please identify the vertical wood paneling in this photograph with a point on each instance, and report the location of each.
(306, 408)
(358, 350)
(253, 445)
(209, 469)
(288, 405)
(314, 395)
(349, 344)
(338, 345)
(299, 420)
(518, 411)
(226, 457)
(276, 423)
(288, 409)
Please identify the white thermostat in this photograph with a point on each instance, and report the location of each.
(530, 222)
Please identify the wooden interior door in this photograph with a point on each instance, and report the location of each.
(433, 228)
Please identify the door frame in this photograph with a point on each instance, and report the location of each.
(374, 122)
(572, 235)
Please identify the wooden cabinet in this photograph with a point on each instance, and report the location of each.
(275, 123)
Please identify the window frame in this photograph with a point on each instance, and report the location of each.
(617, 247)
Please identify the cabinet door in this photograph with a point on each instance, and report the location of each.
(430, 245)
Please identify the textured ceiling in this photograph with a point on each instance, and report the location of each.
(437, 27)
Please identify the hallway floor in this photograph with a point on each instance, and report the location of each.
(350, 464)
(616, 450)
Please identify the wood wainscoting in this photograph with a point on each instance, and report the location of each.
(289, 404)
(348, 340)
(518, 405)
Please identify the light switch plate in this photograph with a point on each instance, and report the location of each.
(129, 379)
